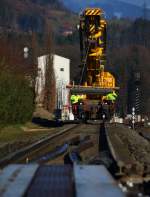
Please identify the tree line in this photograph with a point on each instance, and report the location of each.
(128, 54)
(18, 76)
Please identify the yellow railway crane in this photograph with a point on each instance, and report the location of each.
(93, 49)
(95, 83)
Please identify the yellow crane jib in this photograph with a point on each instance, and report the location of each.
(96, 52)
(93, 49)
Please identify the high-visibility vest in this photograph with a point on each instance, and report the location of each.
(114, 94)
(74, 99)
(111, 96)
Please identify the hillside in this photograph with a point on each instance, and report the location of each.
(19, 18)
(112, 8)
(138, 2)
(31, 15)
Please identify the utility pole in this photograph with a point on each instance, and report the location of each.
(137, 100)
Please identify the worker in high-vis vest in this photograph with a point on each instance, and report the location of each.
(74, 99)
(111, 97)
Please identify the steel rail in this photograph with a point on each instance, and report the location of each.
(15, 156)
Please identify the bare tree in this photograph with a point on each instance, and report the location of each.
(50, 85)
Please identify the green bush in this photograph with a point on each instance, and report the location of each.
(16, 99)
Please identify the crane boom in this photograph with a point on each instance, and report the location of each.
(93, 45)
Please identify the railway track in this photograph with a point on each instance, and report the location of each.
(52, 149)
(96, 144)
(39, 145)
(82, 139)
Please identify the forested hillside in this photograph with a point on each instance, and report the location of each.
(31, 15)
(113, 8)
(30, 23)
(23, 23)
(128, 54)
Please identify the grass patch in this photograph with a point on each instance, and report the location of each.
(10, 134)
(12, 138)
(15, 133)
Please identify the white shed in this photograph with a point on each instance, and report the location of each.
(61, 67)
(62, 73)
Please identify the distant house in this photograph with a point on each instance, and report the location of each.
(61, 67)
